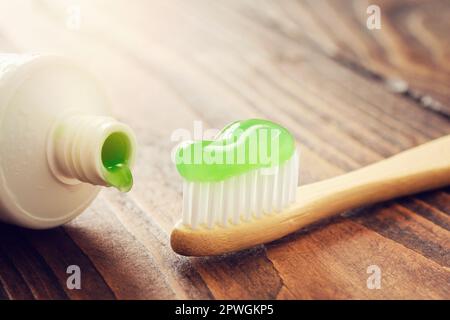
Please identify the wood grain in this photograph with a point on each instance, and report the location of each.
(313, 67)
(409, 53)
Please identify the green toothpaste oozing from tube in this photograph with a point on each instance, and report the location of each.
(115, 155)
(240, 147)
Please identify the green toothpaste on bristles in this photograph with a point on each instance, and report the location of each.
(249, 170)
(240, 147)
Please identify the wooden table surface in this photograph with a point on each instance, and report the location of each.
(350, 95)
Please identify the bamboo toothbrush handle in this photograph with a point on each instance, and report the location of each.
(419, 169)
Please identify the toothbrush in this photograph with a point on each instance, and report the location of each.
(234, 206)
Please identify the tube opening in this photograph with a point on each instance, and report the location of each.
(93, 149)
(116, 152)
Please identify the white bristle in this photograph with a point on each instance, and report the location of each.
(241, 198)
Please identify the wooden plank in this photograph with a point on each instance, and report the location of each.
(27, 274)
(167, 64)
(409, 52)
(340, 255)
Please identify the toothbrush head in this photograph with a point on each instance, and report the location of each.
(252, 178)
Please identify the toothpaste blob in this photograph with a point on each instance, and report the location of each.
(115, 158)
(249, 170)
(240, 147)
